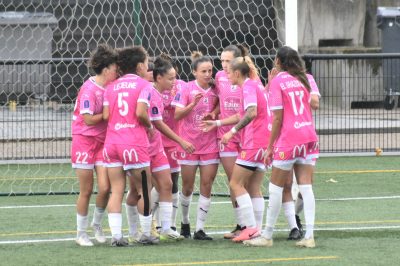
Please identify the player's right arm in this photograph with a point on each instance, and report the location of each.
(142, 107)
(142, 115)
(181, 112)
(91, 120)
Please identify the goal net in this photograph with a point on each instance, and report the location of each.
(44, 46)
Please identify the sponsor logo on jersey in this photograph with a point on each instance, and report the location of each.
(298, 124)
(86, 104)
(154, 110)
(232, 103)
(119, 126)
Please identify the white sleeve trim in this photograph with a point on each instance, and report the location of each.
(249, 105)
(316, 93)
(279, 107)
(144, 101)
(82, 112)
(178, 104)
(156, 118)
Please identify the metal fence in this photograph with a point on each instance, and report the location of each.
(358, 110)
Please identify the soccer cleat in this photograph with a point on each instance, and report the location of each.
(147, 240)
(84, 241)
(306, 243)
(170, 235)
(98, 233)
(201, 235)
(235, 232)
(259, 241)
(295, 234)
(298, 223)
(246, 234)
(154, 231)
(134, 238)
(185, 230)
(119, 242)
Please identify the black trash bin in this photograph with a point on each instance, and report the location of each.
(388, 20)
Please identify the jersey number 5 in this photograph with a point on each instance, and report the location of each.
(123, 104)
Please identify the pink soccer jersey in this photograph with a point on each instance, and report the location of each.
(190, 126)
(169, 112)
(256, 134)
(155, 113)
(89, 101)
(230, 101)
(289, 94)
(122, 96)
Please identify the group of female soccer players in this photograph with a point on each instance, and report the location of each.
(128, 124)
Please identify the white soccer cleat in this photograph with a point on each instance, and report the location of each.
(306, 243)
(170, 235)
(84, 241)
(134, 238)
(98, 233)
(259, 241)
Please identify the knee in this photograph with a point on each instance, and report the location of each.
(86, 193)
(187, 191)
(165, 186)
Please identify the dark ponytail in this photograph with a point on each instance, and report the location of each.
(293, 64)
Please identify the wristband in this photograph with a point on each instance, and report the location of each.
(233, 130)
(218, 123)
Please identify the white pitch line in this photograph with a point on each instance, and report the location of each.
(30, 241)
(213, 203)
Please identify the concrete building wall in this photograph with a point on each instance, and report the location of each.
(321, 22)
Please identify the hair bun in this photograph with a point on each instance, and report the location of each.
(195, 55)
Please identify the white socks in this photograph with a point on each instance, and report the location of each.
(175, 204)
(132, 215)
(299, 205)
(258, 209)
(145, 224)
(155, 196)
(82, 224)
(245, 209)
(202, 212)
(165, 215)
(98, 215)
(115, 222)
(238, 217)
(288, 208)
(274, 207)
(309, 209)
(185, 204)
